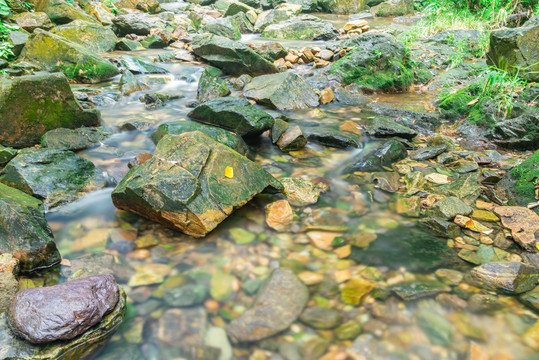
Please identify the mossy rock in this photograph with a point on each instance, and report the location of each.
(54, 52)
(192, 184)
(235, 114)
(395, 8)
(85, 346)
(54, 175)
(232, 57)
(223, 27)
(94, 36)
(516, 50)
(62, 12)
(378, 63)
(35, 104)
(222, 136)
(211, 87)
(519, 183)
(25, 232)
(301, 29)
(74, 139)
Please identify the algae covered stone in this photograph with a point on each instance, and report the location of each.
(278, 304)
(301, 29)
(511, 276)
(284, 91)
(378, 62)
(54, 52)
(232, 57)
(222, 136)
(235, 114)
(211, 86)
(54, 175)
(32, 105)
(191, 184)
(94, 36)
(74, 139)
(24, 232)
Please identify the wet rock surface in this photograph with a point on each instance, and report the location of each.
(215, 177)
(24, 230)
(62, 312)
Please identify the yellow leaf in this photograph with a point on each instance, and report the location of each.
(474, 101)
(229, 172)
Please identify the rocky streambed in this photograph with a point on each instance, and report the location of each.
(231, 180)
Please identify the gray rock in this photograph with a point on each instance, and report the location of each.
(235, 114)
(137, 23)
(74, 139)
(513, 277)
(450, 207)
(278, 304)
(62, 312)
(379, 155)
(138, 65)
(54, 175)
(301, 29)
(283, 91)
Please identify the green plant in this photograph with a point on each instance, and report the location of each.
(4, 8)
(110, 4)
(6, 47)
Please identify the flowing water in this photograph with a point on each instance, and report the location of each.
(244, 249)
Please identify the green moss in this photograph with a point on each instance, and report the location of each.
(520, 181)
(88, 70)
(455, 105)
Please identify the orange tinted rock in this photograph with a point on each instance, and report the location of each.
(279, 215)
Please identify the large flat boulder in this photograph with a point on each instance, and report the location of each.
(230, 56)
(301, 29)
(55, 175)
(235, 114)
(32, 105)
(94, 36)
(283, 91)
(191, 184)
(54, 52)
(24, 232)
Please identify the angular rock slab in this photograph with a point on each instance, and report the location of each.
(24, 232)
(191, 184)
(32, 105)
(278, 304)
(235, 114)
(523, 223)
(511, 276)
(84, 346)
(62, 312)
(54, 175)
(232, 57)
(222, 136)
(54, 52)
(283, 91)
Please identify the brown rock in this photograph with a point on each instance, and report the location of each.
(326, 96)
(62, 312)
(292, 139)
(523, 223)
(279, 215)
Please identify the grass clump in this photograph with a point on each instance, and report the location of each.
(493, 93)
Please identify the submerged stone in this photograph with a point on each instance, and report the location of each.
(283, 91)
(300, 192)
(278, 304)
(32, 105)
(24, 232)
(418, 289)
(54, 175)
(450, 207)
(378, 155)
(235, 114)
(321, 318)
(222, 136)
(54, 52)
(191, 184)
(232, 57)
(62, 312)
